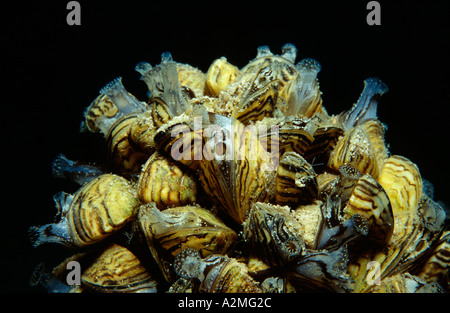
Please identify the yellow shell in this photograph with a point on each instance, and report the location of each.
(273, 234)
(117, 269)
(220, 74)
(370, 201)
(142, 132)
(101, 108)
(310, 218)
(98, 209)
(192, 80)
(168, 232)
(437, 266)
(403, 183)
(355, 149)
(228, 276)
(126, 158)
(163, 182)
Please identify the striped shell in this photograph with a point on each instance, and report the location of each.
(233, 166)
(403, 183)
(355, 149)
(273, 234)
(126, 158)
(370, 201)
(113, 102)
(437, 267)
(97, 210)
(229, 276)
(163, 182)
(117, 269)
(296, 181)
(166, 233)
(257, 92)
(220, 74)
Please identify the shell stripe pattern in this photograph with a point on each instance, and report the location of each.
(119, 269)
(92, 214)
(257, 105)
(438, 265)
(161, 112)
(120, 148)
(101, 107)
(296, 180)
(371, 202)
(355, 149)
(403, 183)
(163, 182)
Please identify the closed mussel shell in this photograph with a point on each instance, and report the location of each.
(165, 183)
(117, 269)
(403, 183)
(98, 209)
(127, 158)
(220, 74)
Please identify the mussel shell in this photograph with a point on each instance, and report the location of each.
(403, 183)
(296, 181)
(165, 183)
(273, 234)
(168, 232)
(371, 201)
(126, 157)
(220, 74)
(117, 269)
(101, 108)
(437, 266)
(355, 149)
(228, 276)
(100, 208)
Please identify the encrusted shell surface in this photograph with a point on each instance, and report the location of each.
(273, 234)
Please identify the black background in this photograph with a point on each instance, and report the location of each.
(53, 71)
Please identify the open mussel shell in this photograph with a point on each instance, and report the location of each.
(213, 274)
(126, 158)
(273, 234)
(405, 283)
(166, 233)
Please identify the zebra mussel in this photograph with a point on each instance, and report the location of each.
(239, 180)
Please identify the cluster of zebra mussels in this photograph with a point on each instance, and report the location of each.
(238, 180)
